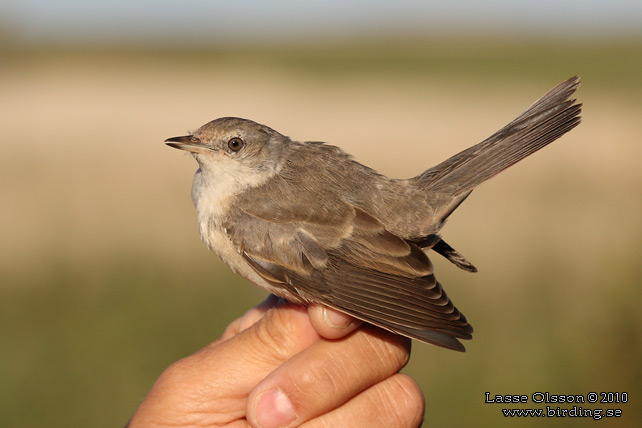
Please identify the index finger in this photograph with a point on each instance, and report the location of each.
(214, 383)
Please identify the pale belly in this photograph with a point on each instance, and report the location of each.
(211, 202)
(220, 244)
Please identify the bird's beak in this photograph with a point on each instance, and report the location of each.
(189, 143)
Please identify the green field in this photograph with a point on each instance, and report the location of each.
(104, 283)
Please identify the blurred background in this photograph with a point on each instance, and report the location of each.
(103, 279)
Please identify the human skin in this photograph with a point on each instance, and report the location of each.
(288, 365)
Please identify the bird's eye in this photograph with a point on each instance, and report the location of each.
(195, 140)
(235, 144)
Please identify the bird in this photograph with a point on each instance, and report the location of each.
(306, 222)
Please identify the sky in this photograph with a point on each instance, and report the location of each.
(37, 20)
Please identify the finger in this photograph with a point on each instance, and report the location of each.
(394, 402)
(214, 383)
(330, 323)
(250, 317)
(325, 376)
(283, 331)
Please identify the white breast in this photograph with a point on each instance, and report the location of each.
(211, 202)
(212, 196)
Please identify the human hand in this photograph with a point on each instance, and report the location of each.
(287, 365)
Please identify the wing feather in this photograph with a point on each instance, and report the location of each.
(352, 263)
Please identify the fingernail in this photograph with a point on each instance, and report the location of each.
(336, 319)
(274, 409)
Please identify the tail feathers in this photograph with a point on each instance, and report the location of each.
(453, 256)
(547, 119)
(437, 244)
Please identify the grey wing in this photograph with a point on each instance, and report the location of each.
(352, 263)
